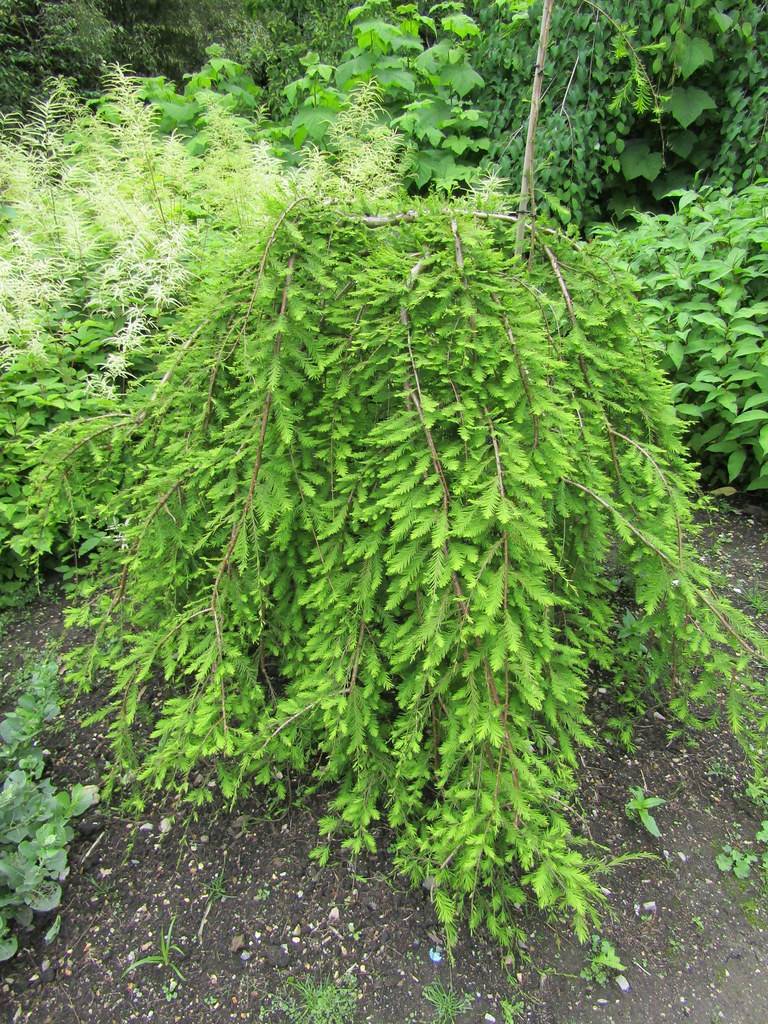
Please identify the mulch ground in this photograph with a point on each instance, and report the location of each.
(250, 910)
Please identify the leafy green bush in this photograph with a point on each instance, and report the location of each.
(598, 156)
(34, 815)
(284, 32)
(379, 498)
(703, 278)
(186, 113)
(421, 69)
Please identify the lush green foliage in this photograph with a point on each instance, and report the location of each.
(377, 502)
(285, 31)
(600, 152)
(77, 38)
(185, 112)
(703, 276)
(34, 816)
(421, 69)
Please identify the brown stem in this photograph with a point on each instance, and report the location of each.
(457, 246)
(500, 476)
(356, 659)
(644, 451)
(526, 187)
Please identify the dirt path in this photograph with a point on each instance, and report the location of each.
(251, 910)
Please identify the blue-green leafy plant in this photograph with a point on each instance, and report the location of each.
(34, 816)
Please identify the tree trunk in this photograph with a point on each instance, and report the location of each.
(526, 187)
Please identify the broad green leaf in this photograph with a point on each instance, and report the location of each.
(54, 930)
(637, 161)
(461, 25)
(46, 897)
(9, 945)
(397, 77)
(676, 353)
(359, 67)
(751, 416)
(736, 463)
(461, 78)
(83, 797)
(693, 54)
(687, 103)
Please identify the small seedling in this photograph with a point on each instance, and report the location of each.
(447, 1003)
(604, 959)
(164, 956)
(639, 809)
(511, 1012)
(323, 1002)
(731, 860)
(215, 891)
(758, 598)
(171, 990)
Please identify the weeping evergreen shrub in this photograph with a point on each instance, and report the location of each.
(387, 500)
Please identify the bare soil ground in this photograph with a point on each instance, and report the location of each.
(251, 910)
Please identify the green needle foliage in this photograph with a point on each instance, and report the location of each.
(386, 498)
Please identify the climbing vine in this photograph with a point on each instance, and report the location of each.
(637, 102)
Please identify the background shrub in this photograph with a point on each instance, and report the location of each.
(40, 39)
(702, 273)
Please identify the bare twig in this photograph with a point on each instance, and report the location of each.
(526, 187)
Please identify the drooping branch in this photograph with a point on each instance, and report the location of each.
(224, 564)
(581, 361)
